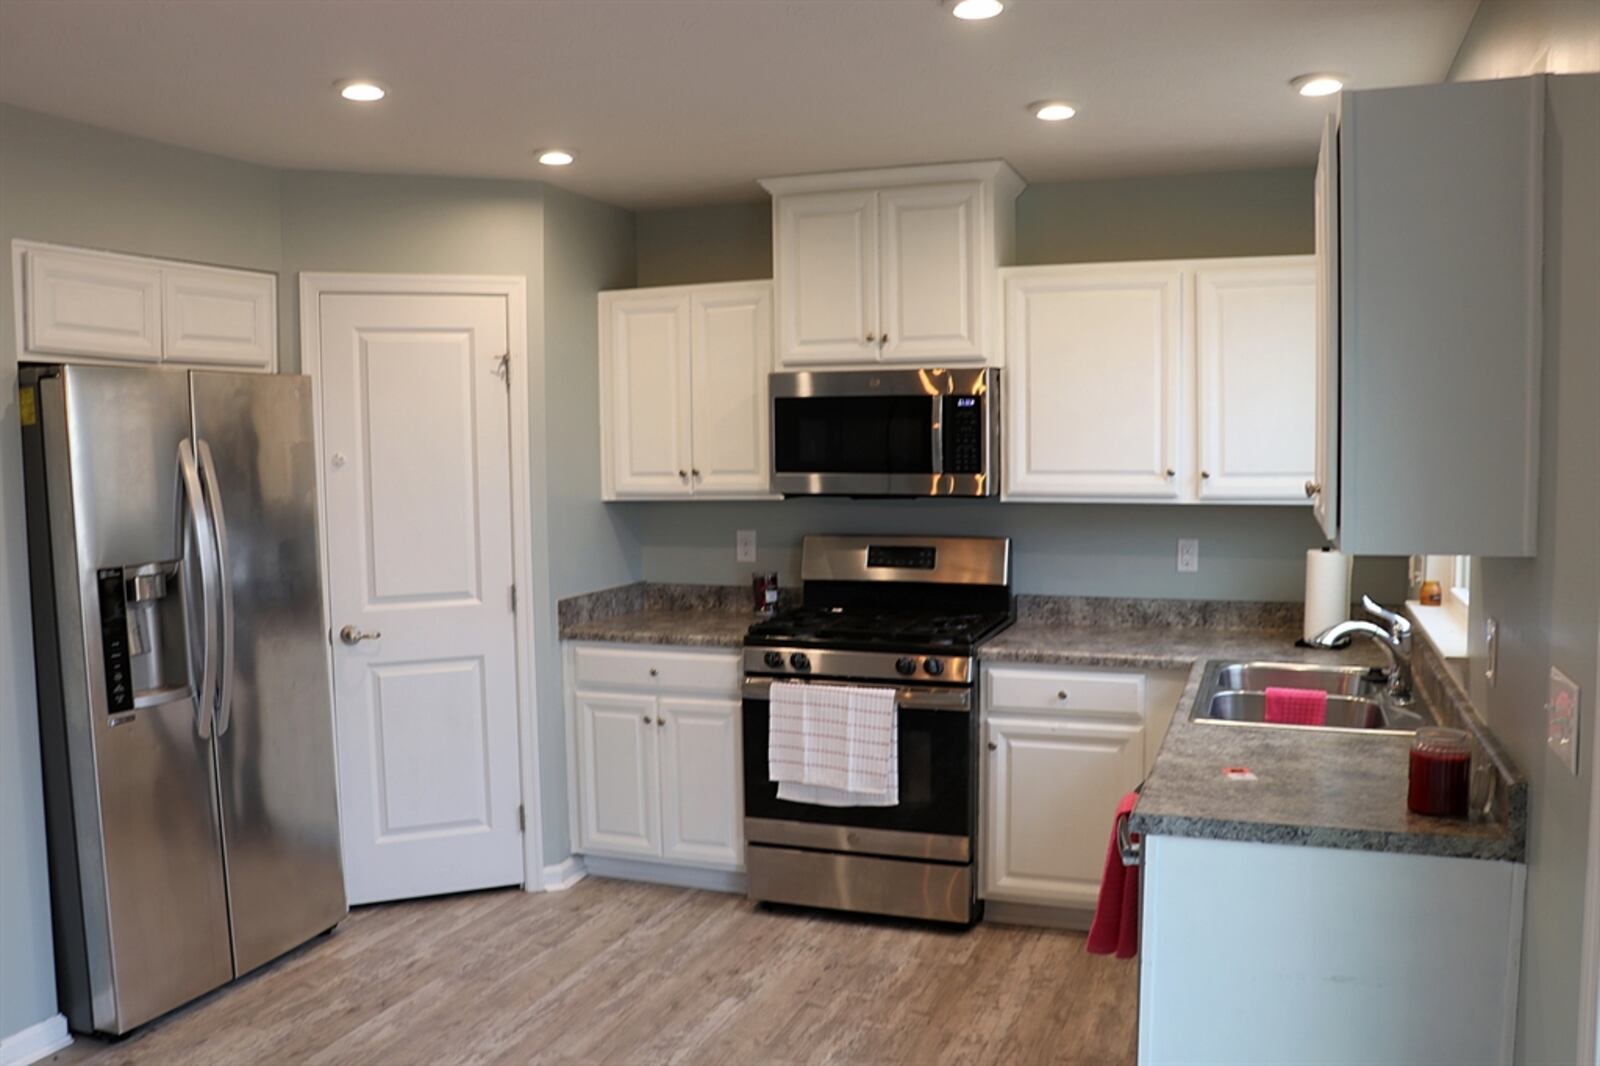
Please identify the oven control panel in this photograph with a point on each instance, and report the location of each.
(862, 666)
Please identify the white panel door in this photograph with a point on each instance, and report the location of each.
(827, 276)
(222, 318)
(1053, 789)
(645, 341)
(1096, 397)
(619, 810)
(1324, 489)
(701, 781)
(1256, 329)
(85, 304)
(732, 357)
(417, 451)
(931, 309)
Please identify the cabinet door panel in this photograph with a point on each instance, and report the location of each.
(220, 318)
(1325, 488)
(1256, 339)
(1053, 788)
(931, 297)
(701, 786)
(645, 346)
(1096, 395)
(827, 246)
(732, 357)
(619, 810)
(85, 304)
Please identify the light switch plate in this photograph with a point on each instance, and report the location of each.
(745, 545)
(1561, 718)
(1188, 556)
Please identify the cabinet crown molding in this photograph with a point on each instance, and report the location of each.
(997, 172)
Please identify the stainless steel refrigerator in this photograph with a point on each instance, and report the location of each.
(184, 700)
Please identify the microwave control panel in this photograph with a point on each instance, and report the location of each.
(963, 434)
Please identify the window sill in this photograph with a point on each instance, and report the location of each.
(1444, 628)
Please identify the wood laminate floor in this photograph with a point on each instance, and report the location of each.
(617, 972)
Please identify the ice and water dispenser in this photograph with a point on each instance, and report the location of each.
(142, 635)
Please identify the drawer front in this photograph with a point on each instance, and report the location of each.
(657, 669)
(1066, 691)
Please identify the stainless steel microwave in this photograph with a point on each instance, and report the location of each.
(886, 432)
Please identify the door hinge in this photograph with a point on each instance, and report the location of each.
(522, 818)
(513, 599)
(502, 366)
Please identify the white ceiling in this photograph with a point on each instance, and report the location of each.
(689, 101)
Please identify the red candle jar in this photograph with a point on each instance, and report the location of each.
(1441, 772)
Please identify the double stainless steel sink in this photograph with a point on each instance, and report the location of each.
(1235, 693)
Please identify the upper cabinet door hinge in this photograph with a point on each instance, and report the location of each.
(513, 599)
(522, 818)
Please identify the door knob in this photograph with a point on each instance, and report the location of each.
(352, 635)
(1312, 488)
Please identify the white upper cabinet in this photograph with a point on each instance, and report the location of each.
(731, 357)
(219, 317)
(1257, 374)
(932, 283)
(683, 391)
(1095, 400)
(77, 305)
(86, 304)
(1324, 487)
(827, 254)
(1442, 227)
(893, 265)
(1178, 381)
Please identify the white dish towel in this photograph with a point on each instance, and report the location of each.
(834, 745)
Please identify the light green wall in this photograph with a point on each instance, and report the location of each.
(1245, 552)
(1548, 607)
(64, 182)
(588, 247)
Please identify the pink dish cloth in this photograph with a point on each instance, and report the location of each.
(1297, 706)
(1115, 928)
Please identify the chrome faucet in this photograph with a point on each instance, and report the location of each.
(1394, 639)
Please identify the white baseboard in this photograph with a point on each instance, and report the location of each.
(563, 875)
(665, 873)
(1036, 914)
(35, 1042)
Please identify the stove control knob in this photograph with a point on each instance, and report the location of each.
(906, 666)
(935, 667)
(800, 661)
(774, 660)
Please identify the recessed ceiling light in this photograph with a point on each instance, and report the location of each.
(555, 157)
(975, 10)
(1317, 84)
(361, 90)
(1052, 110)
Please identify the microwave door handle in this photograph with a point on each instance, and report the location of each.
(219, 529)
(937, 425)
(197, 534)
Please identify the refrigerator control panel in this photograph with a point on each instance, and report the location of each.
(114, 640)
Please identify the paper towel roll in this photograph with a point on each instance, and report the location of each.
(1327, 590)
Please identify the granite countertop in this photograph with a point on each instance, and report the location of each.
(1314, 788)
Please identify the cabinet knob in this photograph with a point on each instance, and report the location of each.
(647, 719)
(684, 474)
(871, 338)
(993, 746)
(883, 339)
(654, 672)
(1171, 473)
(1204, 474)
(1061, 695)
(660, 721)
(694, 473)
(1312, 488)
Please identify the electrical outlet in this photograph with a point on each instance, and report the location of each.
(1561, 718)
(744, 542)
(1188, 556)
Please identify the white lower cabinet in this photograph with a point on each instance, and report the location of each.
(1061, 748)
(655, 758)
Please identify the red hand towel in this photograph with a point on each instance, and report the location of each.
(1115, 928)
(1297, 706)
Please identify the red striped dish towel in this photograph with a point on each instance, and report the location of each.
(837, 743)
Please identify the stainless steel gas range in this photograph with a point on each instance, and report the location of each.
(906, 612)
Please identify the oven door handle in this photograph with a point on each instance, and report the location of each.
(907, 697)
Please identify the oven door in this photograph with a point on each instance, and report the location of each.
(935, 818)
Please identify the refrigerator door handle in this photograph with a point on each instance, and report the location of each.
(219, 530)
(202, 543)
